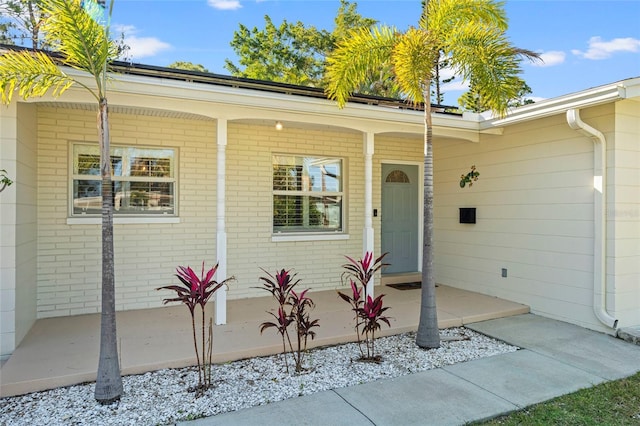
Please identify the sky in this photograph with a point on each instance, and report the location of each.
(583, 43)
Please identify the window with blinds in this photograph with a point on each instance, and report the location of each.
(307, 194)
(143, 180)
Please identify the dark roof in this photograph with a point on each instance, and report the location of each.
(267, 86)
(247, 83)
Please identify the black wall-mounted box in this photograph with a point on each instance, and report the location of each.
(467, 215)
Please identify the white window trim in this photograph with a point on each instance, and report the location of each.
(306, 235)
(80, 219)
(280, 237)
(121, 220)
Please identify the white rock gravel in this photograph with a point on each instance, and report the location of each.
(161, 397)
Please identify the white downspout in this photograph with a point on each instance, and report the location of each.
(599, 216)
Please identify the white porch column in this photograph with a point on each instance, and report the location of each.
(367, 234)
(221, 231)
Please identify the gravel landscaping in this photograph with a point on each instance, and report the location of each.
(161, 397)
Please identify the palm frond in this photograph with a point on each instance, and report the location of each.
(32, 74)
(484, 56)
(443, 16)
(81, 39)
(527, 54)
(360, 53)
(414, 59)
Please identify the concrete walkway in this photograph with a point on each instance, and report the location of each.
(557, 358)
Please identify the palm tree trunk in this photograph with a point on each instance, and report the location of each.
(109, 381)
(428, 335)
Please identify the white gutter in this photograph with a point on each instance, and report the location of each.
(625, 89)
(599, 215)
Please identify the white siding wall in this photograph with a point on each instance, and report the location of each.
(18, 226)
(625, 211)
(8, 152)
(26, 221)
(534, 201)
(146, 255)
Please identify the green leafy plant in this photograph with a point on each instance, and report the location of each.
(196, 291)
(369, 312)
(293, 308)
(4, 180)
(469, 178)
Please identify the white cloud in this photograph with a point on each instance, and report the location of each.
(445, 73)
(225, 4)
(456, 85)
(122, 29)
(550, 58)
(599, 49)
(139, 47)
(451, 90)
(142, 47)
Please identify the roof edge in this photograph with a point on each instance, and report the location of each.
(191, 76)
(623, 89)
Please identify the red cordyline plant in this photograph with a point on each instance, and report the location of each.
(293, 308)
(368, 311)
(196, 291)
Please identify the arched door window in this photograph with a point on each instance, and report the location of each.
(397, 176)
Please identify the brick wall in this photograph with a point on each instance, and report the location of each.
(146, 254)
(69, 255)
(249, 195)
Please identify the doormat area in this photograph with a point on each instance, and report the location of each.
(406, 286)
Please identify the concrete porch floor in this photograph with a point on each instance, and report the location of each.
(64, 351)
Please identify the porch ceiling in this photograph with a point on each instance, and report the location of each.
(138, 95)
(291, 124)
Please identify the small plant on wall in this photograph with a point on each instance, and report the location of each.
(196, 291)
(4, 180)
(469, 178)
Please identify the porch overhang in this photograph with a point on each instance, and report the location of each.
(136, 94)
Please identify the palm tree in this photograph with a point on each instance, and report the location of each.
(470, 35)
(74, 31)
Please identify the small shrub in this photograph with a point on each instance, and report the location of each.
(368, 311)
(196, 291)
(293, 308)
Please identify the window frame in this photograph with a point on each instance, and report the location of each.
(310, 233)
(125, 216)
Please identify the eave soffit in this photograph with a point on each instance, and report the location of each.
(144, 96)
